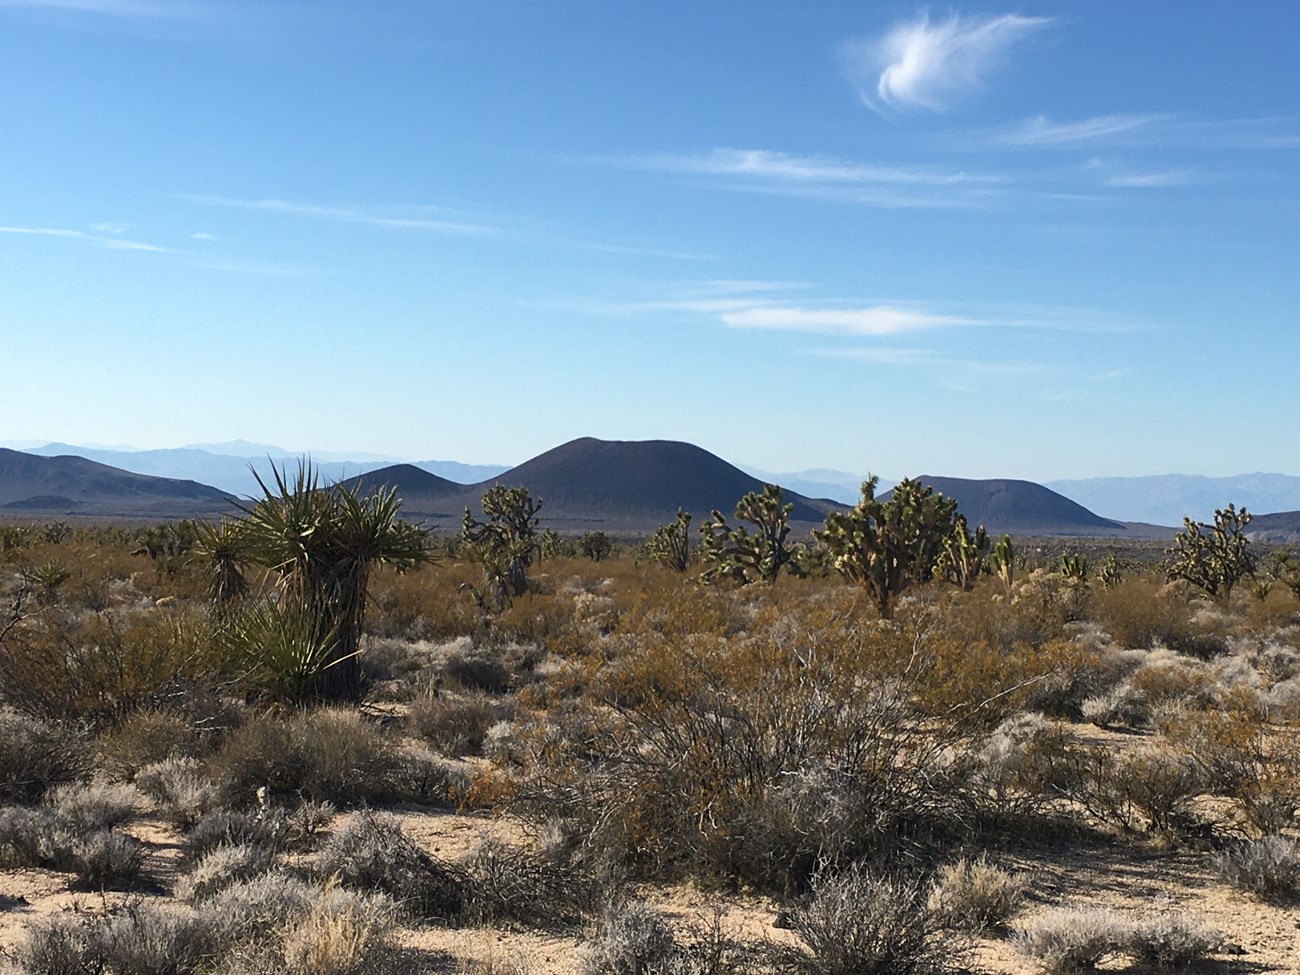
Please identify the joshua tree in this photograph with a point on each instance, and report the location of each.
(886, 546)
(322, 542)
(670, 544)
(964, 554)
(221, 554)
(595, 545)
(1214, 557)
(507, 541)
(745, 557)
(1003, 561)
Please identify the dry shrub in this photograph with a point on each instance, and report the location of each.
(105, 860)
(330, 755)
(633, 939)
(264, 829)
(1167, 676)
(1173, 941)
(101, 667)
(95, 805)
(505, 883)
(1020, 770)
(1243, 758)
(476, 670)
(864, 923)
(136, 939)
(1122, 706)
(1065, 940)
(976, 895)
(370, 852)
(1144, 612)
(142, 739)
(1268, 867)
(344, 933)
(181, 794)
(223, 866)
(1150, 787)
(36, 755)
(455, 724)
(683, 743)
(34, 837)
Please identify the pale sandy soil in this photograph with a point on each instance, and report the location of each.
(1119, 877)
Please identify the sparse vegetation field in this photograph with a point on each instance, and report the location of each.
(588, 755)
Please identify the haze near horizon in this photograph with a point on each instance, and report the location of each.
(1043, 242)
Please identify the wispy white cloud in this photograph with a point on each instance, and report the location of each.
(110, 228)
(112, 243)
(1042, 131)
(875, 320)
(1164, 129)
(928, 64)
(393, 218)
(202, 235)
(929, 358)
(824, 177)
(1153, 179)
(116, 8)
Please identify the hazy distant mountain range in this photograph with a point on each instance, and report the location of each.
(619, 486)
(1165, 499)
(229, 466)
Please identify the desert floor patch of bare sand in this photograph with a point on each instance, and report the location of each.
(1130, 879)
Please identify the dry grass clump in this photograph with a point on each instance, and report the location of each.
(271, 925)
(1065, 940)
(633, 939)
(222, 867)
(370, 852)
(455, 724)
(1173, 941)
(143, 739)
(36, 755)
(344, 933)
(95, 805)
(507, 883)
(181, 794)
(860, 922)
(976, 895)
(330, 755)
(99, 858)
(476, 670)
(1268, 868)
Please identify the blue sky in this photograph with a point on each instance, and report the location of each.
(1044, 241)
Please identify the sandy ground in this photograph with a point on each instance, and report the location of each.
(1265, 938)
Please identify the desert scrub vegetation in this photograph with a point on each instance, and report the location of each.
(780, 731)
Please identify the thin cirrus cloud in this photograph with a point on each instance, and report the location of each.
(353, 215)
(111, 243)
(1042, 131)
(825, 177)
(1148, 180)
(875, 320)
(930, 64)
(928, 358)
(114, 8)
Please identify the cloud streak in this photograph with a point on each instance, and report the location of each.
(825, 177)
(353, 215)
(929, 65)
(114, 8)
(1042, 131)
(110, 243)
(874, 320)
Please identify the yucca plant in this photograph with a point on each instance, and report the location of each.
(322, 541)
(221, 554)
